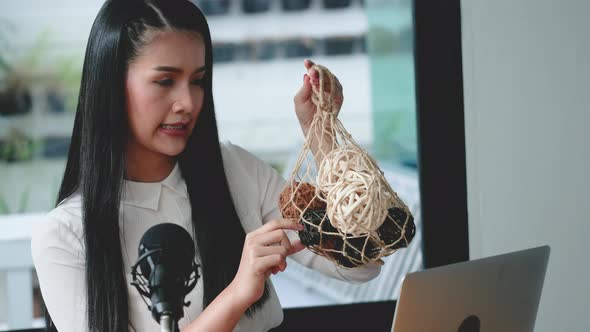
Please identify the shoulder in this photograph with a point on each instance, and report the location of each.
(239, 162)
(242, 166)
(62, 229)
(234, 155)
(253, 182)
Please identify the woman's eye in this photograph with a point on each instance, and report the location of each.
(199, 82)
(165, 82)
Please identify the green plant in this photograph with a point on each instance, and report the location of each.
(17, 147)
(381, 40)
(22, 206)
(68, 71)
(28, 63)
(3, 206)
(19, 73)
(3, 45)
(279, 167)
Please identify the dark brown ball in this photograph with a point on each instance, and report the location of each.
(392, 228)
(329, 238)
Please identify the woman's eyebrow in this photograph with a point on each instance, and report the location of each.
(177, 70)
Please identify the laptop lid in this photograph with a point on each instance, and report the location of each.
(498, 293)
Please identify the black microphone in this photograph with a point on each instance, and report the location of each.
(166, 272)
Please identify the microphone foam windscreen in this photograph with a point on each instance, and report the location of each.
(177, 249)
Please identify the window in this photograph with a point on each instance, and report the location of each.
(299, 48)
(336, 4)
(56, 147)
(339, 45)
(244, 51)
(295, 5)
(214, 7)
(255, 6)
(15, 100)
(224, 52)
(265, 50)
(362, 43)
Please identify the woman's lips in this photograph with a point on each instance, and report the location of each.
(174, 129)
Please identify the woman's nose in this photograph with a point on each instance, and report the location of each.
(184, 103)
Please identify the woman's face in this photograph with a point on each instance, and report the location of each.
(165, 90)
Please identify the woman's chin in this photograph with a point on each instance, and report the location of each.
(172, 151)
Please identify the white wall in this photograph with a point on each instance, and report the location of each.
(526, 67)
(3, 297)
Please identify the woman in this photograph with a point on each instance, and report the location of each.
(145, 150)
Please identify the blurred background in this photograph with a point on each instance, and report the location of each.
(259, 47)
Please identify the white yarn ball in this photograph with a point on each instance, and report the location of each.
(357, 201)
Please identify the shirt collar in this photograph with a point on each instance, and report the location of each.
(175, 182)
(147, 194)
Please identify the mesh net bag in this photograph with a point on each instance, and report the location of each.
(350, 213)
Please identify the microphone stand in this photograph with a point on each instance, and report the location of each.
(168, 324)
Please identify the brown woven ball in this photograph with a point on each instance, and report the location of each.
(297, 197)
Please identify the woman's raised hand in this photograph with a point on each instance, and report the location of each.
(304, 106)
(265, 251)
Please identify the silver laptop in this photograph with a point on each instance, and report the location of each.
(499, 293)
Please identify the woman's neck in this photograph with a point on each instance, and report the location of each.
(148, 167)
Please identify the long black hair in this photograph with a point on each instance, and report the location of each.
(96, 160)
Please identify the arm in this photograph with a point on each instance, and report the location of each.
(59, 261)
(270, 210)
(265, 250)
(321, 143)
(269, 185)
(222, 314)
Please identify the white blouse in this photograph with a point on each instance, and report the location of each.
(58, 245)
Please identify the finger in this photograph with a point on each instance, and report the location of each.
(279, 268)
(314, 76)
(277, 224)
(283, 266)
(294, 242)
(285, 243)
(338, 95)
(270, 238)
(264, 264)
(296, 246)
(338, 85)
(267, 251)
(270, 250)
(305, 91)
(315, 80)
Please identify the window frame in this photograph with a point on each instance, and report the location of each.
(441, 131)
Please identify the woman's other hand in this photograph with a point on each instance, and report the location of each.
(304, 106)
(265, 251)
